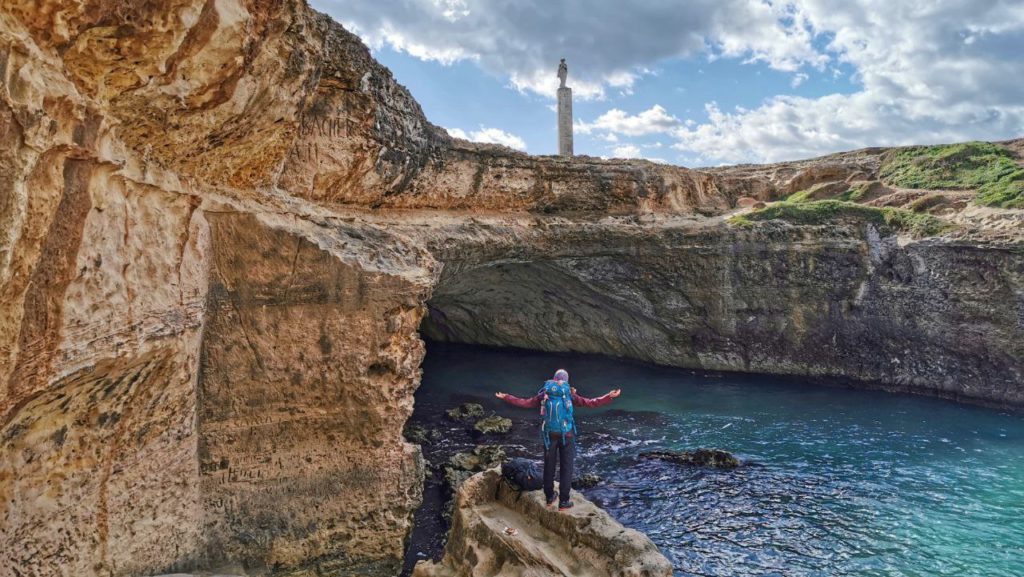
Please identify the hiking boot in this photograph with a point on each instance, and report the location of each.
(565, 505)
(550, 501)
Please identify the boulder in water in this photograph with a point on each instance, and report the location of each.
(586, 481)
(498, 530)
(715, 458)
(493, 425)
(465, 412)
(420, 435)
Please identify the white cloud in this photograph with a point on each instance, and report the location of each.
(627, 151)
(790, 127)
(490, 136)
(453, 10)
(607, 43)
(654, 120)
(920, 84)
(634, 151)
(925, 71)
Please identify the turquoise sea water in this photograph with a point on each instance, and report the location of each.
(842, 482)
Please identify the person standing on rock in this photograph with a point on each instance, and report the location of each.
(558, 430)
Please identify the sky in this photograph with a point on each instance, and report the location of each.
(706, 82)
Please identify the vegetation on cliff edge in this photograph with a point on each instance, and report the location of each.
(853, 194)
(825, 211)
(988, 168)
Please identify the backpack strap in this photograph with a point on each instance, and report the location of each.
(543, 392)
(567, 402)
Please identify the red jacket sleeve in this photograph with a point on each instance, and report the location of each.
(582, 401)
(531, 403)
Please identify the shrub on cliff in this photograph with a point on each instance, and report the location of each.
(825, 211)
(830, 191)
(1006, 193)
(988, 168)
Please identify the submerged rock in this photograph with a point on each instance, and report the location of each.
(586, 481)
(493, 425)
(465, 412)
(499, 530)
(715, 458)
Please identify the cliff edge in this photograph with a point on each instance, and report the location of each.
(498, 530)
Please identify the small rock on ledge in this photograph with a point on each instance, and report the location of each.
(546, 543)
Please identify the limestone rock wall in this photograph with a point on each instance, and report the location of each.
(196, 368)
(104, 286)
(309, 364)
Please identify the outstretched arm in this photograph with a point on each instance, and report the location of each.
(531, 403)
(597, 402)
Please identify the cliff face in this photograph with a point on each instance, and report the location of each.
(221, 223)
(308, 366)
(196, 368)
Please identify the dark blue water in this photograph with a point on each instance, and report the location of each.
(843, 482)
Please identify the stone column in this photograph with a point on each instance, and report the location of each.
(565, 121)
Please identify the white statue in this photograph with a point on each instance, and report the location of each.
(563, 72)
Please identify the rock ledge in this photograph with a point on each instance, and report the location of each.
(582, 541)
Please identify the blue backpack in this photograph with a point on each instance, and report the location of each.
(556, 411)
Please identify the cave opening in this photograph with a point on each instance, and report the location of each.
(584, 305)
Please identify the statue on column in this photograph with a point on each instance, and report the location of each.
(564, 112)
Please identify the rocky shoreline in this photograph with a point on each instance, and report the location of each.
(454, 452)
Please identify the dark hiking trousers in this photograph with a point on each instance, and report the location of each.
(563, 454)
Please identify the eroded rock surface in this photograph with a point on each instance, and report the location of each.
(581, 541)
(196, 367)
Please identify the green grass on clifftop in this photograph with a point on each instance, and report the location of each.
(988, 168)
(825, 211)
(853, 193)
